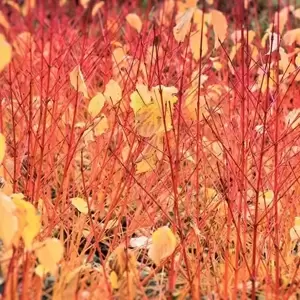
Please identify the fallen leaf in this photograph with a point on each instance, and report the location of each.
(163, 244)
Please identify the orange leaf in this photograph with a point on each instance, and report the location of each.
(195, 43)
(220, 26)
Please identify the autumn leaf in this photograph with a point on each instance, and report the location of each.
(195, 43)
(3, 21)
(77, 81)
(295, 230)
(291, 36)
(101, 125)
(134, 21)
(146, 164)
(96, 104)
(80, 204)
(2, 147)
(153, 109)
(113, 92)
(6, 52)
(183, 24)
(29, 220)
(163, 244)
(220, 26)
(49, 253)
(97, 7)
(9, 222)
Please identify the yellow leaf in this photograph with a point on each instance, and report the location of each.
(153, 109)
(49, 253)
(147, 164)
(6, 52)
(163, 244)
(195, 43)
(265, 199)
(113, 277)
(77, 81)
(9, 221)
(3, 21)
(183, 24)
(2, 147)
(102, 125)
(40, 271)
(134, 21)
(220, 26)
(96, 8)
(29, 220)
(118, 55)
(80, 204)
(96, 104)
(113, 92)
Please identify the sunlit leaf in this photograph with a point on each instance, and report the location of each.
(96, 104)
(29, 220)
(183, 24)
(101, 125)
(78, 82)
(80, 204)
(220, 26)
(113, 92)
(134, 21)
(147, 164)
(291, 36)
(195, 43)
(97, 7)
(6, 52)
(9, 221)
(49, 253)
(293, 118)
(265, 199)
(113, 277)
(163, 244)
